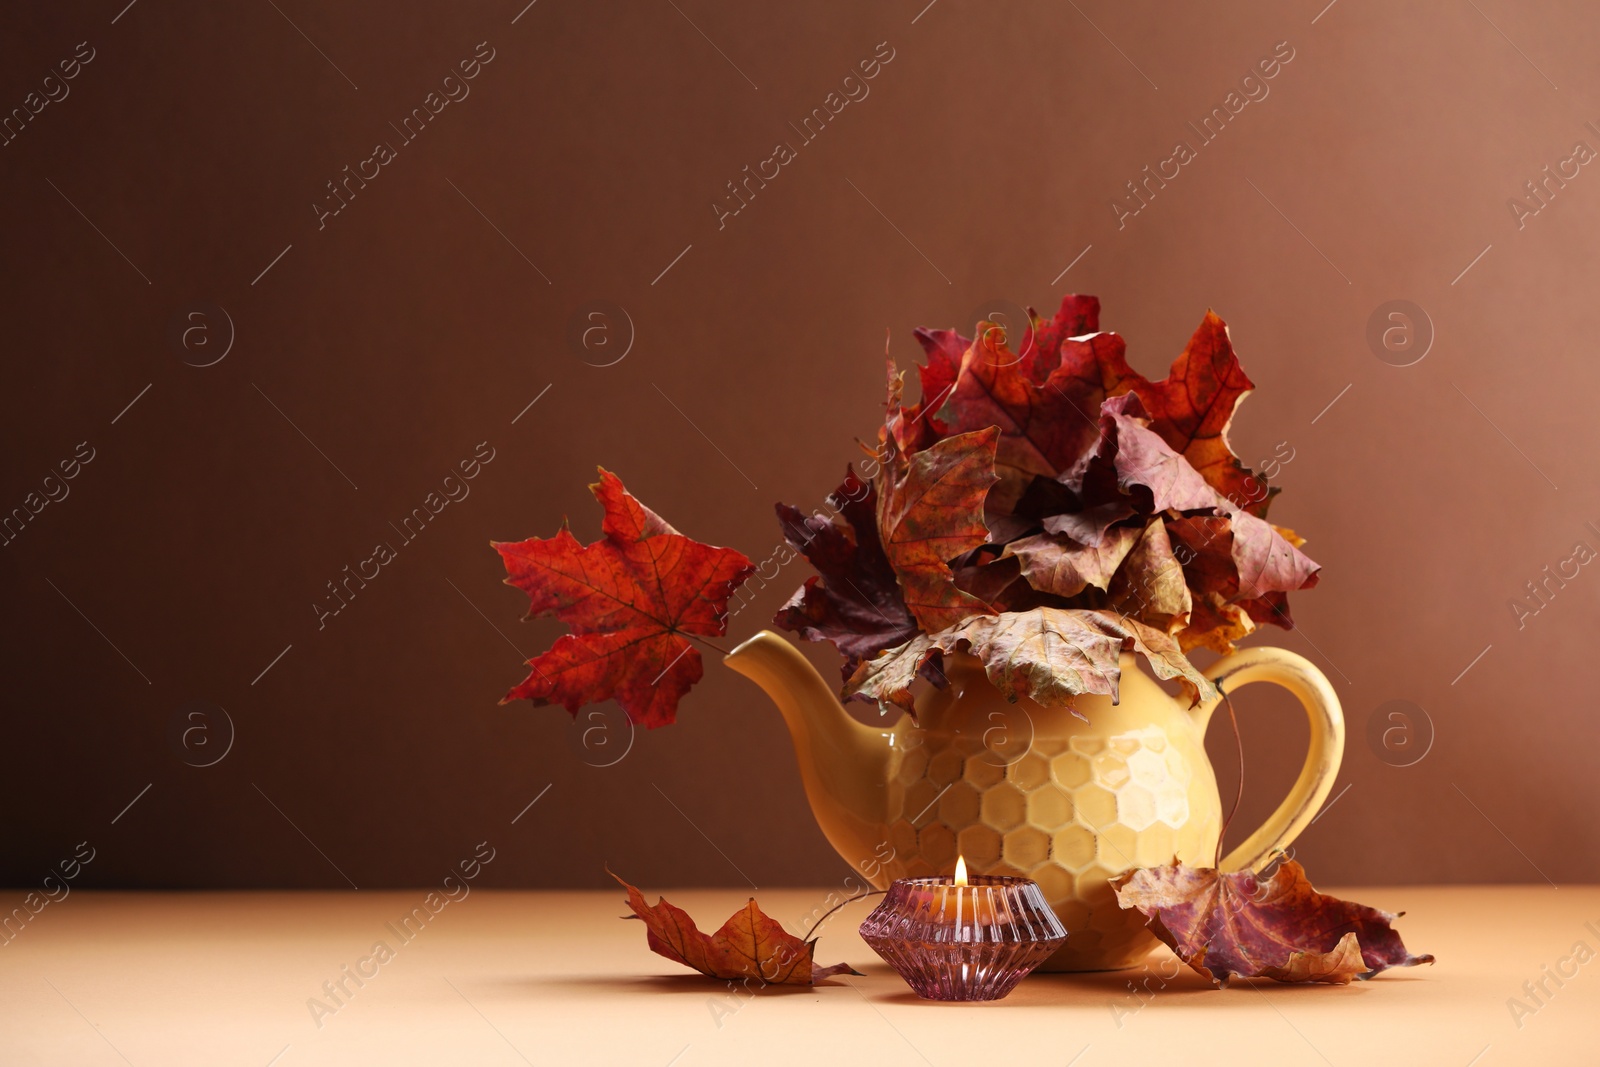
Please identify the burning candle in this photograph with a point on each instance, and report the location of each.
(964, 938)
(961, 902)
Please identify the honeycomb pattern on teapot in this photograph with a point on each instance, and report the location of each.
(1070, 814)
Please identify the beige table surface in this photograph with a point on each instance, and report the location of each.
(557, 978)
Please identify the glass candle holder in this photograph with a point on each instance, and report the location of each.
(973, 939)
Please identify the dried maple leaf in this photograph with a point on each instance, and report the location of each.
(930, 510)
(1064, 568)
(944, 349)
(998, 583)
(1193, 406)
(1088, 526)
(1336, 967)
(855, 602)
(629, 599)
(1045, 427)
(1206, 544)
(1046, 654)
(1072, 367)
(1215, 624)
(1268, 563)
(1150, 585)
(1273, 608)
(1267, 925)
(1132, 460)
(887, 677)
(749, 946)
(1077, 316)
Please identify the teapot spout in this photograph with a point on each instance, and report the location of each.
(843, 764)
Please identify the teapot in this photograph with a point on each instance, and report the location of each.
(1023, 790)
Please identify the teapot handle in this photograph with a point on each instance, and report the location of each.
(1310, 686)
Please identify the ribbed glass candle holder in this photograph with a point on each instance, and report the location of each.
(964, 942)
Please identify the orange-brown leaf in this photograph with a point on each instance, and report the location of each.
(1062, 567)
(749, 946)
(930, 510)
(1048, 655)
(1150, 584)
(1215, 624)
(1205, 543)
(1267, 925)
(1336, 967)
(1193, 406)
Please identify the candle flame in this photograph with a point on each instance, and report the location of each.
(961, 870)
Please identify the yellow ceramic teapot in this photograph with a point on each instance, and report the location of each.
(1024, 790)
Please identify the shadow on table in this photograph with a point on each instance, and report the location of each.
(1122, 992)
(691, 984)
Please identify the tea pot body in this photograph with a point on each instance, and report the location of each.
(1038, 792)
(1023, 790)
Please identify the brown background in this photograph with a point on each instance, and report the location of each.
(192, 548)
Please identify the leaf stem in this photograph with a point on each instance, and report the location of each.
(836, 907)
(1238, 740)
(714, 647)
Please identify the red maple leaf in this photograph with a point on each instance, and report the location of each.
(944, 349)
(1044, 427)
(629, 599)
(1192, 408)
(1077, 316)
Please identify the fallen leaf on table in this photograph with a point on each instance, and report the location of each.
(629, 599)
(1271, 924)
(1337, 967)
(750, 945)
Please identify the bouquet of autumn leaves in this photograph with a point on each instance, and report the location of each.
(1046, 507)
(1042, 506)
